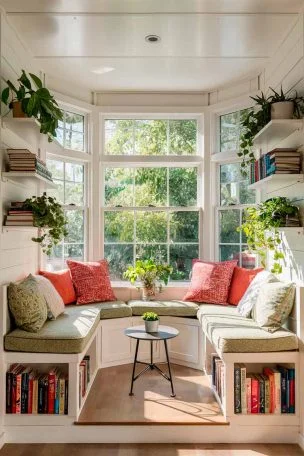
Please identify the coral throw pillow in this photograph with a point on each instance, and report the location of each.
(91, 281)
(62, 281)
(240, 281)
(210, 282)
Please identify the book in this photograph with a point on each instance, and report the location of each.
(61, 394)
(255, 394)
(291, 389)
(243, 389)
(261, 393)
(51, 392)
(284, 379)
(24, 390)
(66, 396)
(9, 384)
(267, 393)
(275, 388)
(237, 389)
(18, 388)
(248, 394)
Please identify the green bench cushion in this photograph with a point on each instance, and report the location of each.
(168, 308)
(112, 309)
(69, 333)
(231, 333)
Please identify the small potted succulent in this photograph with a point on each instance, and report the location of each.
(151, 322)
(151, 275)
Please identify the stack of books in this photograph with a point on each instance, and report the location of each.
(273, 391)
(22, 160)
(218, 374)
(18, 216)
(84, 377)
(28, 392)
(278, 161)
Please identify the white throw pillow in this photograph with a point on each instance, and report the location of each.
(250, 297)
(53, 299)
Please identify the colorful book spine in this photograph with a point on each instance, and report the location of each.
(248, 393)
(291, 387)
(255, 394)
(51, 392)
(237, 389)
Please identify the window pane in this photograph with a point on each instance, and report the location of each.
(74, 172)
(229, 221)
(182, 137)
(151, 187)
(151, 227)
(184, 226)
(73, 194)
(157, 253)
(74, 140)
(74, 251)
(119, 226)
(151, 137)
(229, 131)
(119, 187)
(119, 258)
(56, 167)
(234, 188)
(246, 196)
(119, 137)
(58, 192)
(181, 257)
(182, 186)
(56, 262)
(75, 226)
(229, 252)
(59, 135)
(74, 122)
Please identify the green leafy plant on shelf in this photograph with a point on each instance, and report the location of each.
(151, 275)
(261, 228)
(35, 102)
(150, 316)
(49, 217)
(258, 118)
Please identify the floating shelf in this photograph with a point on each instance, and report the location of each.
(277, 180)
(18, 228)
(27, 178)
(277, 133)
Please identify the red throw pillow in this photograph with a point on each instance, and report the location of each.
(240, 281)
(62, 281)
(91, 281)
(210, 282)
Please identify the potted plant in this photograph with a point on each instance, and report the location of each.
(49, 217)
(25, 101)
(275, 106)
(150, 274)
(261, 228)
(151, 322)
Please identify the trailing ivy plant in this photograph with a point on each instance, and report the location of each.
(48, 215)
(39, 103)
(257, 118)
(261, 228)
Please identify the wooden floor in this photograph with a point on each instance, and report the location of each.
(109, 400)
(150, 450)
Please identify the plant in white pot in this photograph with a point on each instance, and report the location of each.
(151, 322)
(151, 276)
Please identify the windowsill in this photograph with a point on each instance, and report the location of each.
(122, 284)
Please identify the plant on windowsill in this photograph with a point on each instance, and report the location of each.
(151, 322)
(275, 106)
(49, 217)
(261, 228)
(151, 275)
(24, 101)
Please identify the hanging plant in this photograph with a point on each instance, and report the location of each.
(261, 228)
(258, 118)
(49, 217)
(25, 101)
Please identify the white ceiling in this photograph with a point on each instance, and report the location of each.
(204, 44)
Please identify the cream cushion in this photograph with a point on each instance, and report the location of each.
(53, 299)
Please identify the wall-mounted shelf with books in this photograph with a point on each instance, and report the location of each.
(279, 132)
(277, 181)
(27, 178)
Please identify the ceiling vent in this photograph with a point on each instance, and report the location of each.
(152, 38)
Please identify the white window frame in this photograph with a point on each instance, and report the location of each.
(86, 131)
(166, 161)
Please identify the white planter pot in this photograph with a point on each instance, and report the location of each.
(151, 326)
(282, 110)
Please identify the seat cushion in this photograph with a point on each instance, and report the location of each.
(229, 332)
(168, 308)
(69, 333)
(112, 309)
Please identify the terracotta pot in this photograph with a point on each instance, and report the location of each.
(151, 326)
(148, 293)
(282, 110)
(17, 110)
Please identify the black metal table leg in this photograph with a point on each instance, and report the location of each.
(151, 353)
(169, 369)
(134, 366)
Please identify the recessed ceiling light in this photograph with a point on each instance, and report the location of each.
(103, 70)
(152, 38)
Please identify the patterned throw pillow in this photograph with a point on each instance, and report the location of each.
(274, 304)
(27, 305)
(240, 281)
(53, 299)
(62, 281)
(250, 297)
(210, 282)
(91, 281)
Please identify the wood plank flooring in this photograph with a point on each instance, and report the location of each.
(150, 450)
(109, 401)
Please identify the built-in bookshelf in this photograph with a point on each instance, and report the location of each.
(267, 390)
